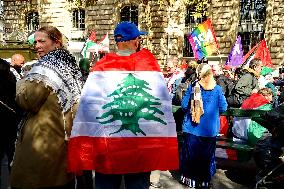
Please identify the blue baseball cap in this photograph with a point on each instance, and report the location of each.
(126, 31)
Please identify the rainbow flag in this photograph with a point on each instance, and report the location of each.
(203, 40)
(124, 123)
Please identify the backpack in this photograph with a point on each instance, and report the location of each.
(180, 92)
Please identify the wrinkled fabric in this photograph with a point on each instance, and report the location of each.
(125, 112)
(198, 157)
(254, 101)
(40, 156)
(243, 88)
(246, 129)
(214, 103)
(196, 104)
(59, 71)
(40, 159)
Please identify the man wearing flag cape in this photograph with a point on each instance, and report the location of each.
(124, 125)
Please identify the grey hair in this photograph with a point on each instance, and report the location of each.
(254, 63)
(265, 92)
(203, 70)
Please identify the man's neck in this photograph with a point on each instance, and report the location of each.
(125, 52)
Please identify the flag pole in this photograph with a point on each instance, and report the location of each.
(218, 54)
(252, 54)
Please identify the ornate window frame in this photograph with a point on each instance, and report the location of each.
(190, 22)
(129, 12)
(32, 20)
(78, 19)
(252, 22)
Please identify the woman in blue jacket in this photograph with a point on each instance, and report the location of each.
(202, 104)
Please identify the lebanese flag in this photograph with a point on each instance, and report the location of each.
(124, 123)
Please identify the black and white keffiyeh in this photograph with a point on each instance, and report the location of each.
(58, 70)
(16, 74)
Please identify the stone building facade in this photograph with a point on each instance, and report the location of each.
(164, 22)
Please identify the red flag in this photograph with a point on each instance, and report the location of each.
(93, 37)
(126, 125)
(254, 101)
(261, 52)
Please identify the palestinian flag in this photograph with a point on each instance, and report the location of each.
(31, 38)
(91, 41)
(124, 123)
(258, 102)
(261, 52)
(101, 46)
(255, 101)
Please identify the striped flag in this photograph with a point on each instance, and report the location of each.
(91, 41)
(261, 52)
(203, 40)
(124, 123)
(101, 46)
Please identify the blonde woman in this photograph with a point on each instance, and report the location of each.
(202, 104)
(48, 94)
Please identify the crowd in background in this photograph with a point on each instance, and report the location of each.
(50, 91)
(228, 78)
(248, 87)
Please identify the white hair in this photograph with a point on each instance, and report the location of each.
(202, 69)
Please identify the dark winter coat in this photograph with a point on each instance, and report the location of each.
(243, 88)
(273, 120)
(8, 107)
(226, 83)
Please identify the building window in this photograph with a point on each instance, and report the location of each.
(253, 10)
(32, 20)
(129, 13)
(1, 8)
(252, 19)
(250, 39)
(190, 23)
(78, 19)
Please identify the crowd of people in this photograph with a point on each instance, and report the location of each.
(38, 108)
(248, 88)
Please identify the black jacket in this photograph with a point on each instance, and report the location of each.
(273, 120)
(9, 111)
(226, 83)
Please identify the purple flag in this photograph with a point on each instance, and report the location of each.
(236, 56)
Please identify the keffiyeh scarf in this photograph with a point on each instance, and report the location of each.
(16, 74)
(58, 70)
(196, 103)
